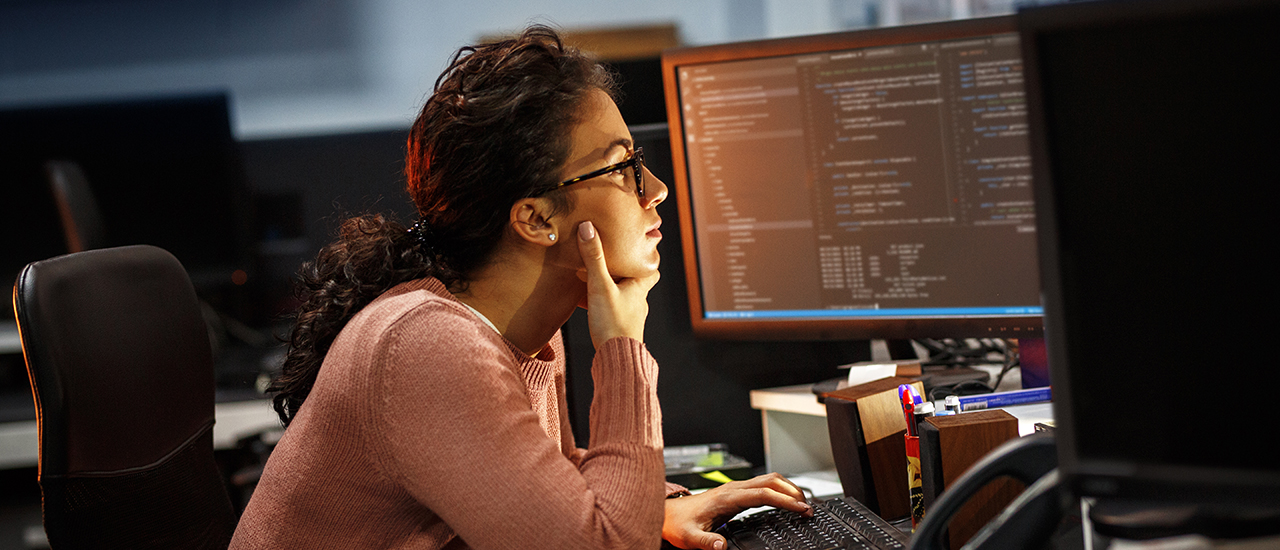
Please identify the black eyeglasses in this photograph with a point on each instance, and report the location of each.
(635, 162)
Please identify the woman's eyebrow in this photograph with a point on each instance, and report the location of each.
(624, 143)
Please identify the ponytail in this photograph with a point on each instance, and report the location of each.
(371, 255)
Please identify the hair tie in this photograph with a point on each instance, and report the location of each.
(425, 238)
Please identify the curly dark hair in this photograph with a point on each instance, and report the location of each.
(494, 131)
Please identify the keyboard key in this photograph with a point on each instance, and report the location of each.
(836, 524)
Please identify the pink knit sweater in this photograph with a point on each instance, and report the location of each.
(427, 429)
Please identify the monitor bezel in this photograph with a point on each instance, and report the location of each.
(1088, 476)
(1021, 326)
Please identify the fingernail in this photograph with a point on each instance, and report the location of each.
(586, 231)
(718, 545)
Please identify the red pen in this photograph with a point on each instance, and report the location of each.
(915, 488)
(909, 400)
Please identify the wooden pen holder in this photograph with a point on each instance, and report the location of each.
(867, 426)
(949, 445)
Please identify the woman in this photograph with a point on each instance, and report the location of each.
(424, 386)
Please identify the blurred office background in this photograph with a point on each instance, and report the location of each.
(306, 67)
(320, 94)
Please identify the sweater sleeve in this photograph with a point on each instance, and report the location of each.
(454, 427)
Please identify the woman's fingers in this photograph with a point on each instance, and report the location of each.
(707, 540)
(592, 252)
(745, 498)
(689, 521)
(779, 483)
(767, 490)
(613, 309)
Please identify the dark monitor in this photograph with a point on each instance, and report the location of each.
(164, 172)
(859, 185)
(1154, 130)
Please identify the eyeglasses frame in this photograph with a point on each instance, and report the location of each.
(635, 161)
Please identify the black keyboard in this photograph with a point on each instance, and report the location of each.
(837, 523)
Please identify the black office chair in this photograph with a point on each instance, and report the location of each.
(120, 364)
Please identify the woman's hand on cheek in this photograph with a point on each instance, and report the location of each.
(689, 521)
(613, 308)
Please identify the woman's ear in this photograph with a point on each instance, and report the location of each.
(530, 222)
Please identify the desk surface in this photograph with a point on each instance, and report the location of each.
(800, 399)
(9, 340)
(20, 442)
(793, 399)
(236, 418)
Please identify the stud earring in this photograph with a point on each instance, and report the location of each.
(552, 236)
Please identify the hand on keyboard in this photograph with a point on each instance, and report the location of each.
(689, 520)
(838, 523)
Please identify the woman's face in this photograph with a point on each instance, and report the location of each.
(627, 224)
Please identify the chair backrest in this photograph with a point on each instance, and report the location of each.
(120, 364)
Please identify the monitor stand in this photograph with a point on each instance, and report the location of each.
(944, 375)
(937, 375)
(934, 375)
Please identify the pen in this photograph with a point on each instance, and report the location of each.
(909, 400)
(1004, 399)
(915, 488)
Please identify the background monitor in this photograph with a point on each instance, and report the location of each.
(164, 172)
(1154, 138)
(859, 185)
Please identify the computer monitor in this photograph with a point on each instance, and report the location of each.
(859, 185)
(163, 171)
(1154, 127)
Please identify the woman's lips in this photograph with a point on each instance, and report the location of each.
(653, 231)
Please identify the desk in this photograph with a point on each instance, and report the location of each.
(796, 439)
(20, 442)
(10, 341)
(795, 430)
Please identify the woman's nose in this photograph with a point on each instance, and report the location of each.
(655, 191)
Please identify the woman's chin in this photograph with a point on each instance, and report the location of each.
(637, 272)
(651, 267)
